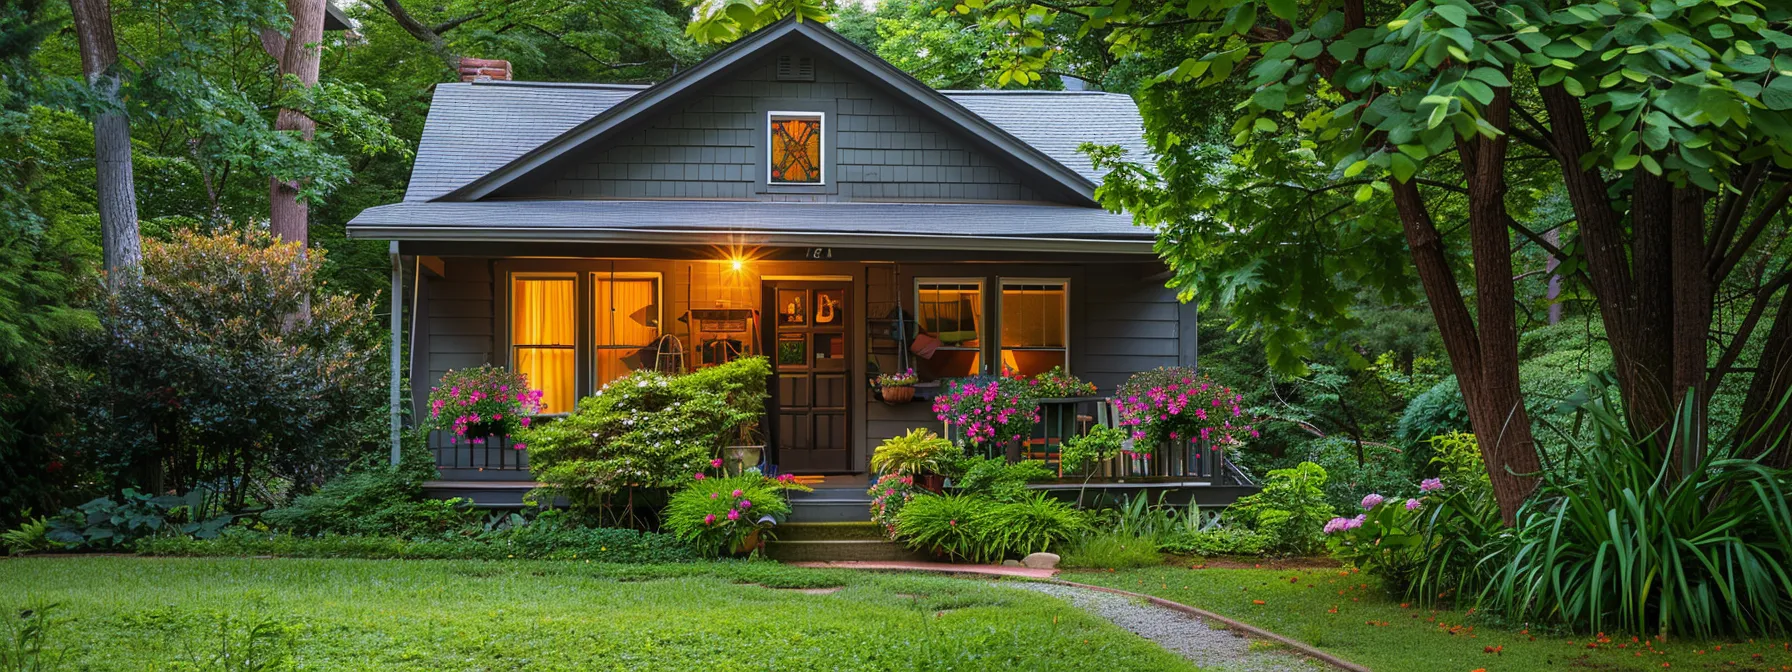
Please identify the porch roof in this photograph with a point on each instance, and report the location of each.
(961, 226)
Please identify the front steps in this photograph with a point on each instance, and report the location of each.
(827, 504)
(837, 542)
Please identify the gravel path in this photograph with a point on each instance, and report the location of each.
(1212, 648)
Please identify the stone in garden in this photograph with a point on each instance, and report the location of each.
(1041, 561)
(1011, 563)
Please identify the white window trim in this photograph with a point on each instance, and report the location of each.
(821, 130)
(1002, 284)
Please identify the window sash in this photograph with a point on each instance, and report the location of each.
(977, 315)
(1019, 295)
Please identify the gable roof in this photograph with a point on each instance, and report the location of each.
(643, 104)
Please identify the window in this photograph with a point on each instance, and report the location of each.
(625, 320)
(950, 314)
(1034, 318)
(795, 146)
(542, 337)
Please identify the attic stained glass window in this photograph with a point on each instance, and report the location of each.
(795, 148)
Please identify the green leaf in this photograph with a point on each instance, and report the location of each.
(1342, 50)
(1403, 168)
(1490, 75)
(1364, 193)
(1778, 94)
(1285, 9)
(1573, 87)
(1452, 13)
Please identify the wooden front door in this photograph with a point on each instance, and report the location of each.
(806, 329)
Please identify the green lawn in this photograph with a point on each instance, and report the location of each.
(1369, 629)
(122, 613)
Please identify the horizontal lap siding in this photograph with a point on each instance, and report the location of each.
(711, 148)
(460, 319)
(1132, 323)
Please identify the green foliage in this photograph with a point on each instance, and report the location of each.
(1387, 541)
(483, 401)
(1353, 469)
(1290, 511)
(108, 524)
(920, 451)
(26, 646)
(1101, 443)
(1218, 541)
(374, 501)
(730, 20)
(722, 515)
(979, 529)
(213, 377)
(1055, 383)
(995, 478)
(889, 494)
(538, 540)
(646, 429)
(1618, 543)
(31, 535)
(1111, 550)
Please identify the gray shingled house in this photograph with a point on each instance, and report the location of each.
(793, 196)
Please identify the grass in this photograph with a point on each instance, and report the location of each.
(1346, 614)
(125, 613)
(1112, 550)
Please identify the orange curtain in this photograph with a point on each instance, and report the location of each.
(625, 319)
(542, 336)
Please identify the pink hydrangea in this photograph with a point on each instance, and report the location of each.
(1431, 484)
(1373, 500)
(1413, 504)
(1335, 525)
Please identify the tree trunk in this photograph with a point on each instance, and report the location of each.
(300, 54)
(1765, 410)
(115, 183)
(1554, 293)
(1691, 310)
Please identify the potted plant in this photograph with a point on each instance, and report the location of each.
(992, 411)
(729, 515)
(746, 448)
(1172, 403)
(897, 388)
(482, 402)
(1056, 384)
(916, 454)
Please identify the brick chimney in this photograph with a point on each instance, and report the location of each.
(483, 70)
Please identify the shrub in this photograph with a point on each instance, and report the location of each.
(980, 529)
(1631, 537)
(990, 410)
(646, 429)
(920, 451)
(481, 402)
(230, 369)
(376, 499)
(721, 515)
(30, 536)
(1176, 404)
(1290, 511)
(105, 523)
(1218, 541)
(1034, 523)
(946, 524)
(888, 495)
(1111, 550)
(995, 478)
(1101, 443)
(536, 541)
(1353, 470)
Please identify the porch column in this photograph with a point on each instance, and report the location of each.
(397, 348)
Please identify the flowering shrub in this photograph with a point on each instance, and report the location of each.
(904, 379)
(646, 429)
(482, 402)
(888, 495)
(1056, 384)
(1424, 548)
(1175, 404)
(1289, 511)
(1385, 540)
(721, 515)
(989, 410)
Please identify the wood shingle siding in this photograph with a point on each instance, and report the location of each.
(1132, 323)
(881, 149)
(461, 319)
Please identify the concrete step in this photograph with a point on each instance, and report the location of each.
(830, 505)
(842, 550)
(850, 531)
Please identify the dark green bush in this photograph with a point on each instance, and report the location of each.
(1218, 541)
(1382, 469)
(534, 541)
(1290, 511)
(995, 478)
(980, 529)
(377, 500)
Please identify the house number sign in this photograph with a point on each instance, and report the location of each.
(819, 253)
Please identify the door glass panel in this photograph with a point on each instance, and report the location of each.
(793, 308)
(830, 308)
(793, 350)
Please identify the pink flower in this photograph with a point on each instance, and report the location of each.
(1430, 484)
(709, 519)
(716, 462)
(1413, 505)
(744, 504)
(1336, 525)
(737, 492)
(1372, 500)
(713, 495)
(1356, 522)
(733, 514)
(699, 476)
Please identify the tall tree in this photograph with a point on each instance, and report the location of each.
(1442, 122)
(298, 52)
(116, 186)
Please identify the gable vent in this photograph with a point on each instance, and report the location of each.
(796, 68)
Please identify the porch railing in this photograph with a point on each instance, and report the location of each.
(1061, 419)
(497, 453)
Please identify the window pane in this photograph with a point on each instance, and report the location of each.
(625, 311)
(952, 313)
(796, 150)
(613, 363)
(551, 371)
(1033, 316)
(542, 315)
(542, 312)
(1033, 319)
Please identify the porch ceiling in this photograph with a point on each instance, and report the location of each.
(960, 226)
